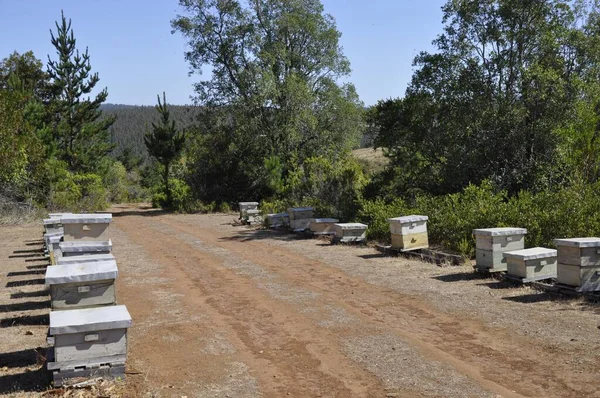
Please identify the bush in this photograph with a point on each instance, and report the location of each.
(375, 213)
(115, 180)
(93, 193)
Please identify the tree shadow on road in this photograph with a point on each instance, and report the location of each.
(27, 381)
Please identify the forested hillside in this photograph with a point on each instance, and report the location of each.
(133, 122)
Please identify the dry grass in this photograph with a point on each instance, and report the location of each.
(373, 159)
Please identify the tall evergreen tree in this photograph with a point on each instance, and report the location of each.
(165, 143)
(79, 132)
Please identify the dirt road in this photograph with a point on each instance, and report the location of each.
(226, 311)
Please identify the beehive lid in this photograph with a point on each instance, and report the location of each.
(325, 220)
(57, 215)
(578, 242)
(89, 320)
(351, 225)
(85, 246)
(298, 209)
(500, 231)
(407, 219)
(531, 254)
(81, 272)
(86, 218)
(54, 238)
(248, 204)
(51, 221)
(86, 258)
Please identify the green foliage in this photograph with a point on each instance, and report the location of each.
(115, 181)
(273, 93)
(77, 129)
(375, 213)
(25, 73)
(165, 144)
(93, 193)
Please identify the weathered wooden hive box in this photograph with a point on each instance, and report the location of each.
(323, 226)
(86, 258)
(253, 217)
(86, 227)
(52, 225)
(80, 248)
(535, 264)
(245, 206)
(579, 263)
(89, 342)
(409, 232)
(300, 217)
(53, 247)
(82, 285)
(492, 243)
(350, 232)
(278, 220)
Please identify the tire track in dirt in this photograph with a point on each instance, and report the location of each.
(283, 351)
(484, 354)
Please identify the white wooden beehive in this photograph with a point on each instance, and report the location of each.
(537, 263)
(300, 217)
(323, 226)
(492, 243)
(88, 337)
(79, 248)
(86, 227)
(579, 263)
(53, 247)
(82, 285)
(350, 232)
(278, 219)
(409, 232)
(245, 206)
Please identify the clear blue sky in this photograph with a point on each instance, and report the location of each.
(137, 57)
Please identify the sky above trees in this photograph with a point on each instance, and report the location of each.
(136, 56)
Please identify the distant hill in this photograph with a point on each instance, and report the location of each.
(133, 121)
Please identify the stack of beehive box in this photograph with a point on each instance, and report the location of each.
(578, 266)
(300, 218)
(277, 220)
(88, 331)
(323, 226)
(350, 232)
(409, 232)
(529, 265)
(249, 213)
(85, 234)
(492, 243)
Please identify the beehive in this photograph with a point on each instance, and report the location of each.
(323, 226)
(350, 232)
(245, 206)
(52, 225)
(409, 232)
(88, 342)
(300, 217)
(253, 217)
(80, 248)
(579, 263)
(82, 285)
(86, 227)
(86, 258)
(492, 243)
(278, 220)
(530, 265)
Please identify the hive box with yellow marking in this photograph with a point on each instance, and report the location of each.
(409, 232)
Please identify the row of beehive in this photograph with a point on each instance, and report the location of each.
(575, 264)
(300, 219)
(88, 331)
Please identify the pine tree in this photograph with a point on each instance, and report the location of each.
(165, 143)
(80, 134)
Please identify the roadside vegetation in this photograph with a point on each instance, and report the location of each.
(499, 125)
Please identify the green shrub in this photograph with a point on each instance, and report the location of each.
(93, 193)
(375, 213)
(65, 193)
(115, 181)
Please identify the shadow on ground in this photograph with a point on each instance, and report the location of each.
(38, 293)
(28, 381)
(26, 320)
(462, 276)
(26, 282)
(26, 306)
(25, 273)
(23, 358)
(245, 235)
